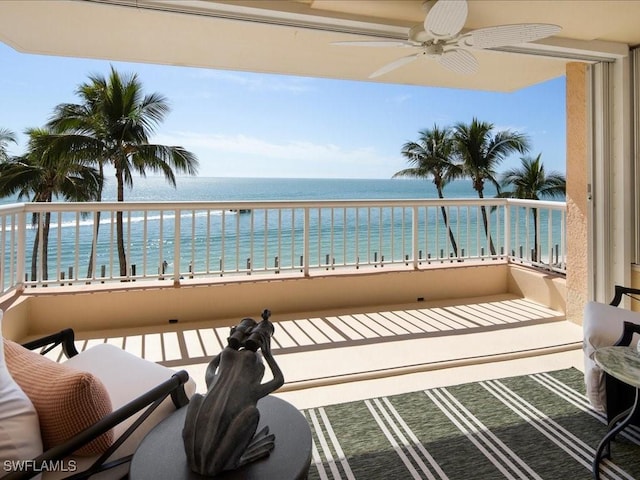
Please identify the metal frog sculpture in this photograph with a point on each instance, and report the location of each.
(220, 427)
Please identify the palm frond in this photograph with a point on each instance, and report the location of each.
(530, 181)
(6, 137)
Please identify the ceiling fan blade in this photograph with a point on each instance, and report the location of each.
(503, 35)
(376, 43)
(446, 18)
(459, 61)
(395, 64)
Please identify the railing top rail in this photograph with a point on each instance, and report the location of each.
(273, 204)
(12, 208)
(537, 203)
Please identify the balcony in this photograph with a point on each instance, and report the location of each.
(364, 292)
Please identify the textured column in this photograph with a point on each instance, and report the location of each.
(577, 191)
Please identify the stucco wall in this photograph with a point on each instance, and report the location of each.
(133, 305)
(237, 299)
(577, 193)
(545, 288)
(15, 322)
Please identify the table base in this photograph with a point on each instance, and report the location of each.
(604, 448)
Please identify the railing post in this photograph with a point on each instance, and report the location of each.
(507, 229)
(21, 248)
(306, 234)
(538, 245)
(176, 248)
(414, 236)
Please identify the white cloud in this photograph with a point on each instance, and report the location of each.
(255, 82)
(400, 99)
(242, 155)
(512, 128)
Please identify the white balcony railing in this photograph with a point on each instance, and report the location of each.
(182, 240)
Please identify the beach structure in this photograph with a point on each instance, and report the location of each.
(489, 316)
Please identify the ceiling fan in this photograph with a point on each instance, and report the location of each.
(442, 38)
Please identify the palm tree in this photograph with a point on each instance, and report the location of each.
(6, 137)
(41, 176)
(431, 157)
(531, 182)
(113, 125)
(481, 151)
(77, 124)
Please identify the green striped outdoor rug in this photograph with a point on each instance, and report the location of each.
(537, 426)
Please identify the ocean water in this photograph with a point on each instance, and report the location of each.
(220, 241)
(350, 237)
(264, 189)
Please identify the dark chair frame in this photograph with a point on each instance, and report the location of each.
(620, 291)
(150, 400)
(620, 396)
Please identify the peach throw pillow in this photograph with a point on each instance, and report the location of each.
(67, 400)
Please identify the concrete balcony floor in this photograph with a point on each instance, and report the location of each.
(336, 356)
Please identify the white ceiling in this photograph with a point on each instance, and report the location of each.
(294, 37)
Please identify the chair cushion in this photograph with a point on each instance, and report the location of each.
(67, 400)
(126, 377)
(19, 427)
(602, 327)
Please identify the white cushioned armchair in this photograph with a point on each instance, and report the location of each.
(93, 409)
(604, 325)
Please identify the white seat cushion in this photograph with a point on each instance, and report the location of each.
(19, 427)
(125, 377)
(602, 327)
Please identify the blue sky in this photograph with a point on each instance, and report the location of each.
(256, 125)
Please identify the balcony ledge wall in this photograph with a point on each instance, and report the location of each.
(143, 304)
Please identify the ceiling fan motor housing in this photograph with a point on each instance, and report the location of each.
(434, 49)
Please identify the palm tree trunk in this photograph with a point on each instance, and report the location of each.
(36, 246)
(443, 210)
(34, 252)
(94, 241)
(492, 247)
(122, 256)
(94, 245)
(45, 246)
(485, 221)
